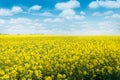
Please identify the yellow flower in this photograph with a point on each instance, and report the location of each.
(85, 72)
(48, 78)
(59, 76)
(38, 73)
(40, 57)
(2, 72)
(5, 77)
(23, 79)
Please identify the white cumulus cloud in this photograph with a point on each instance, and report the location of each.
(35, 7)
(96, 28)
(67, 13)
(55, 20)
(96, 14)
(106, 13)
(5, 12)
(47, 20)
(78, 17)
(20, 21)
(67, 5)
(82, 13)
(16, 9)
(114, 16)
(46, 14)
(58, 20)
(10, 12)
(21, 26)
(93, 4)
(2, 21)
(105, 3)
(70, 15)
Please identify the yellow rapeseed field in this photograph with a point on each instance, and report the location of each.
(40, 57)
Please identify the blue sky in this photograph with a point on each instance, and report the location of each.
(82, 17)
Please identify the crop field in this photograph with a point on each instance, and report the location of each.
(42, 57)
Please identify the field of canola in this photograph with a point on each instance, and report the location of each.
(36, 57)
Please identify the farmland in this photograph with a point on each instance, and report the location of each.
(42, 57)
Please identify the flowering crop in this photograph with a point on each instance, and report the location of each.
(35, 57)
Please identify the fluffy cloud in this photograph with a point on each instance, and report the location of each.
(16, 9)
(68, 11)
(93, 4)
(47, 14)
(10, 12)
(105, 3)
(35, 7)
(29, 26)
(22, 25)
(5, 12)
(48, 20)
(118, 1)
(96, 14)
(103, 13)
(108, 12)
(2, 22)
(78, 17)
(20, 21)
(96, 28)
(57, 26)
(82, 13)
(67, 5)
(56, 20)
(114, 16)
(107, 15)
(70, 15)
